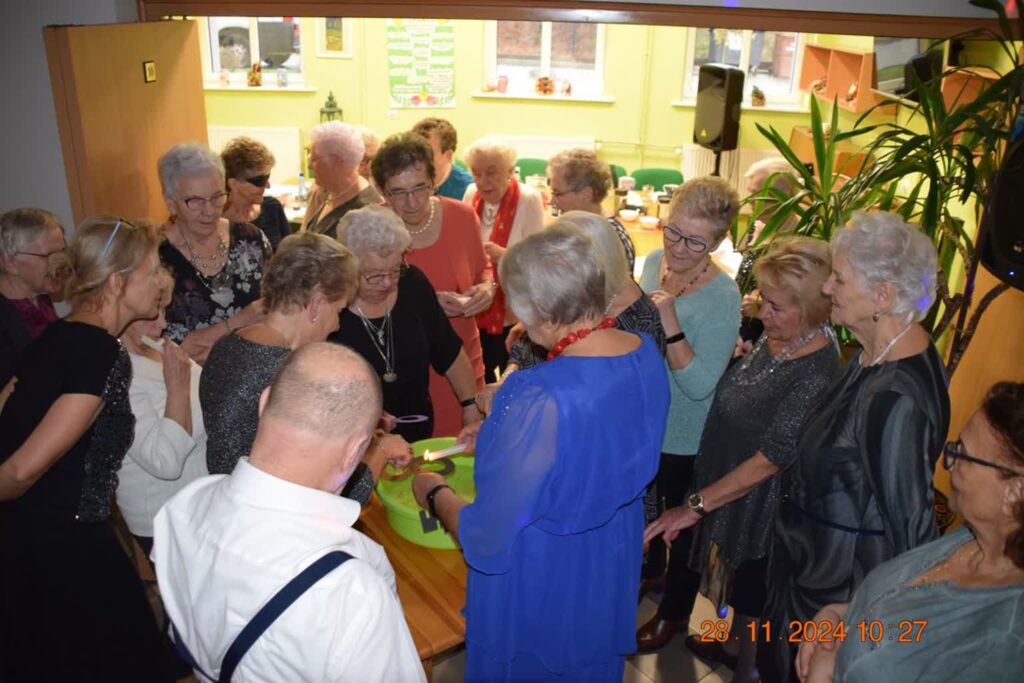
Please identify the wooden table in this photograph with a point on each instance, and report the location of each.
(431, 586)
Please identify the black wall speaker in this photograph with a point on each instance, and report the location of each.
(719, 98)
(1002, 249)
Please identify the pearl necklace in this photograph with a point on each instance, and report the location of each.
(423, 227)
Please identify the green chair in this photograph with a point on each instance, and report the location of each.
(529, 167)
(658, 177)
(617, 172)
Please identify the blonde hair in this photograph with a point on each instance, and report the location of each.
(709, 198)
(304, 264)
(606, 242)
(103, 246)
(800, 266)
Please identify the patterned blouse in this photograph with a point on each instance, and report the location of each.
(201, 301)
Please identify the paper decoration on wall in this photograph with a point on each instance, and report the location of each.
(421, 63)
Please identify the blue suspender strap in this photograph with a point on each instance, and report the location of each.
(267, 615)
(277, 605)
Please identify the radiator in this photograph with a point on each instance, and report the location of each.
(699, 161)
(283, 142)
(544, 146)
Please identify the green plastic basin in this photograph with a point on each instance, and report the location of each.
(408, 519)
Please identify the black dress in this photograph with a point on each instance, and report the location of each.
(200, 300)
(273, 221)
(328, 223)
(423, 338)
(73, 606)
(860, 492)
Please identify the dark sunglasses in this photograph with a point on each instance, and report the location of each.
(259, 180)
(954, 450)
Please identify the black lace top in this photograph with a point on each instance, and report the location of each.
(72, 358)
(199, 300)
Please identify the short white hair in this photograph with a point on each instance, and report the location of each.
(342, 139)
(609, 247)
(373, 229)
(187, 159)
(881, 248)
(369, 135)
(492, 145)
(765, 167)
(555, 276)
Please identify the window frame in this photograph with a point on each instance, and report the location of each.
(796, 97)
(491, 62)
(237, 79)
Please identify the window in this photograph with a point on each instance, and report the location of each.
(234, 44)
(770, 60)
(570, 54)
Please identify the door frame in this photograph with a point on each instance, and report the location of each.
(848, 23)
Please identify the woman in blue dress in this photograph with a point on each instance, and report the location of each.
(554, 538)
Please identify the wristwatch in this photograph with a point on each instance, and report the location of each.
(696, 503)
(432, 494)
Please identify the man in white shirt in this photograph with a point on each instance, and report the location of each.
(226, 544)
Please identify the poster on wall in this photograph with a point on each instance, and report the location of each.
(421, 63)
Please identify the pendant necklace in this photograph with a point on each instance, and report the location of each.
(689, 284)
(385, 347)
(219, 280)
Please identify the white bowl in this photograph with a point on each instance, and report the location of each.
(629, 215)
(649, 222)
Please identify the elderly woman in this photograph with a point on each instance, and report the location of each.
(580, 181)
(948, 610)
(508, 211)
(336, 151)
(371, 144)
(699, 307)
(446, 246)
(217, 264)
(247, 166)
(553, 538)
(396, 323)
(73, 605)
(860, 492)
(28, 240)
(169, 450)
(750, 436)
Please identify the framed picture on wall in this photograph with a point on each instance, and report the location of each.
(334, 37)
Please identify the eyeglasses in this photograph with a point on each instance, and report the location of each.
(394, 274)
(217, 201)
(694, 244)
(418, 192)
(259, 180)
(954, 450)
(559, 194)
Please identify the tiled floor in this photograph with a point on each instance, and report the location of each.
(672, 664)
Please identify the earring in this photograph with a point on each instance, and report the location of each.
(316, 318)
(875, 317)
(173, 218)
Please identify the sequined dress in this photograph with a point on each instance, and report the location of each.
(73, 605)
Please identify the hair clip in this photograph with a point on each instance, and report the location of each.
(110, 240)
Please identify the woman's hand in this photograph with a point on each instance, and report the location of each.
(450, 304)
(471, 415)
(750, 304)
(422, 483)
(815, 660)
(666, 305)
(396, 450)
(468, 436)
(199, 342)
(514, 334)
(480, 297)
(387, 422)
(177, 368)
(743, 347)
(485, 397)
(494, 252)
(671, 523)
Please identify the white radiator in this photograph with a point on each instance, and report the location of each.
(699, 161)
(283, 142)
(545, 146)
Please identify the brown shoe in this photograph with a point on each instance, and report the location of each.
(657, 632)
(710, 651)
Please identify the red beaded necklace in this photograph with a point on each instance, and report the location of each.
(573, 337)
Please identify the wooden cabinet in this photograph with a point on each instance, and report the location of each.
(850, 158)
(841, 70)
(964, 85)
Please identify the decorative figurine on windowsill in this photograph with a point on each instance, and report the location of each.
(851, 94)
(818, 86)
(544, 86)
(255, 76)
(757, 98)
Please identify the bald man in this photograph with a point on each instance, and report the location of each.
(225, 545)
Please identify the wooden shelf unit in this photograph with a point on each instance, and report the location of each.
(964, 85)
(840, 69)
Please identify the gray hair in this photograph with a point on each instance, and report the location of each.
(21, 227)
(342, 139)
(492, 145)
(187, 159)
(881, 248)
(609, 247)
(555, 275)
(708, 198)
(373, 229)
(368, 135)
(765, 167)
